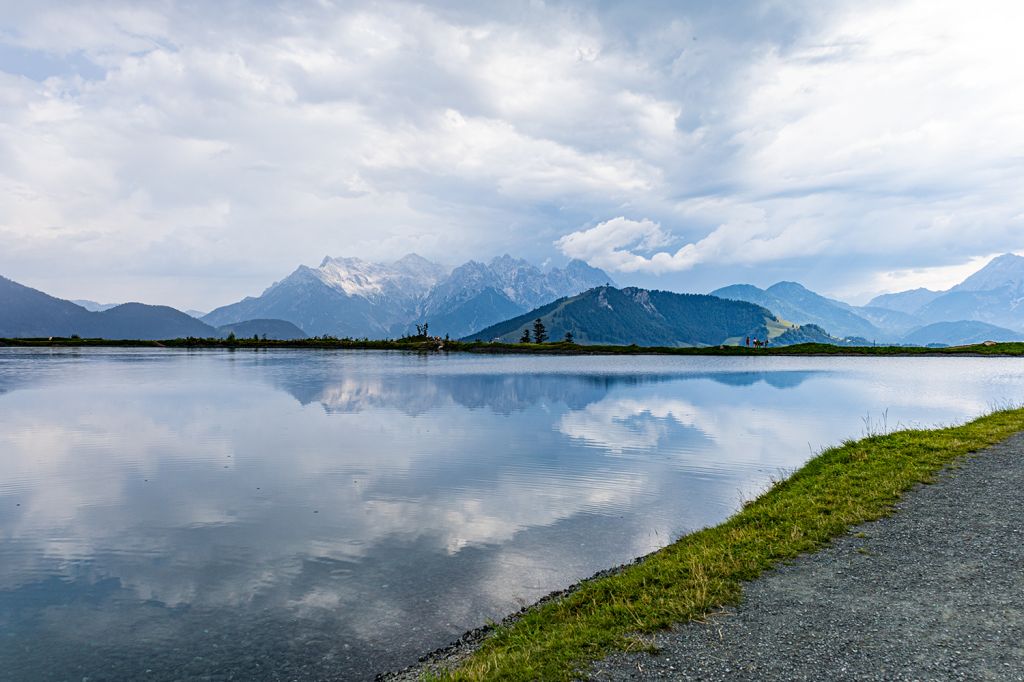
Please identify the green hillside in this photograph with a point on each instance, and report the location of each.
(606, 315)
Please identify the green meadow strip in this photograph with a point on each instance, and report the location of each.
(846, 485)
(418, 345)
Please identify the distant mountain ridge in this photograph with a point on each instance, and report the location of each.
(961, 333)
(93, 306)
(905, 301)
(29, 313)
(795, 303)
(356, 298)
(994, 295)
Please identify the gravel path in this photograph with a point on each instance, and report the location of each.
(934, 592)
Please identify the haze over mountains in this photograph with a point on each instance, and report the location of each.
(988, 303)
(26, 312)
(994, 294)
(355, 298)
(350, 297)
(791, 301)
(95, 307)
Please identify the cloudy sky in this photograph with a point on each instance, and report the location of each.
(190, 153)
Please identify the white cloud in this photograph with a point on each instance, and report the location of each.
(614, 244)
(268, 142)
(937, 278)
(608, 244)
(885, 137)
(898, 99)
(227, 144)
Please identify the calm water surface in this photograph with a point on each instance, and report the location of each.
(328, 515)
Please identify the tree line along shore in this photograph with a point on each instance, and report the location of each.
(560, 347)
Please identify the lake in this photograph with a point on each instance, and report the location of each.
(329, 515)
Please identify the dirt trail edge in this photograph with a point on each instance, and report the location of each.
(933, 592)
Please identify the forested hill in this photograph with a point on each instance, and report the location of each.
(606, 315)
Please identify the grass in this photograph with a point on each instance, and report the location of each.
(557, 348)
(850, 484)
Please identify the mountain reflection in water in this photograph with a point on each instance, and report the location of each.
(329, 515)
(415, 394)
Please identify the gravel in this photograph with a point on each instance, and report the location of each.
(934, 592)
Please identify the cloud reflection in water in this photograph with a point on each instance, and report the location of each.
(276, 497)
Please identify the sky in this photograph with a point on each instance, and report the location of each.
(191, 153)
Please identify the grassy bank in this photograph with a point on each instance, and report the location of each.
(559, 348)
(844, 486)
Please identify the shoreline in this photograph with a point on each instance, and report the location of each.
(423, 346)
(930, 592)
(469, 641)
(618, 609)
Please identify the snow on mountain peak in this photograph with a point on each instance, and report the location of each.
(351, 296)
(408, 278)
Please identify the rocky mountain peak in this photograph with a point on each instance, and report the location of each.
(361, 298)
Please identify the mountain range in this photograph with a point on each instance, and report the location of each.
(350, 297)
(994, 295)
(793, 302)
(356, 298)
(988, 303)
(95, 307)
(27, 312)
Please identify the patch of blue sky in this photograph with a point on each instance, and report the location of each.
(39, 65)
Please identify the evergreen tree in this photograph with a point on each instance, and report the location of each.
(525, 338)
(568, 337)
(540, 333)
